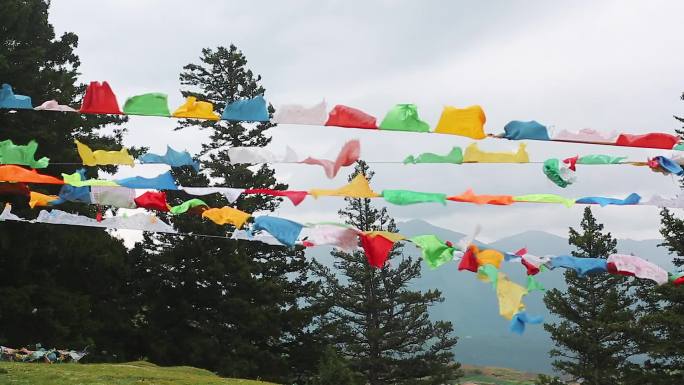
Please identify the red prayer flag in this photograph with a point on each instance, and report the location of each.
(531, 269)
(14, 189)
(571, 162)
(295, 196)
(99, 99)
(612, 269)
(652, 140)
(154, 200)
(469, 260)
(377, 249)
(678, 281)
(344, 116)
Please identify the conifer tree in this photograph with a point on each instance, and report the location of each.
(376, 322)
(662, 324)
(60, 286)
(235, 307)
(594, 335)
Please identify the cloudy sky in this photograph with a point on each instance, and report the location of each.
(609, 65)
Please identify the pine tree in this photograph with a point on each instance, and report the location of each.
(60, 286)
(238, 308)
(380, 325)
(594, 336)
(663, 308)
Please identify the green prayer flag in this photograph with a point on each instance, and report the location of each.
(679, 147)
(533, 284)
(187, 205)
(152, 104)
(404, 117)
(455, 156)
(488, 273)
(75, 180)
(600, 159)
(545, 198)
(11, 153)
(435, 252)
(406, 197)
(552, 171)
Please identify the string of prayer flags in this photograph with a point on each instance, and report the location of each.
(53, 105)
(296, 197)
(153, 200)
(226, 215)
(632, 199)
(11, 173)
(404, 117)
(284, 230)
(162, 181)
(99, 99)
(11, 153)
(521, 319)
(455, 156)
(194, 109)
(11, 101)
(582, 266)
(406, 197)
(347, 156)
(150, 104)
(247, 110)
(357, 188)
(102, 157)
(172, 157)
(435, 252)
(344, 116)
(518, 130)
(474, 155)
(467, 122)
(635, 266)
(315, 115)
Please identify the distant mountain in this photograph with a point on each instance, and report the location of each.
(471, 305)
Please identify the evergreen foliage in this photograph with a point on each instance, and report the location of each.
(59, 286)
(380, 325)
(238, 308)
(594, 337)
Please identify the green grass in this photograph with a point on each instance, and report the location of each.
(130, 373)
(486, 375)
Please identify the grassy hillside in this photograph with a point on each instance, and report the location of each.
(486, 375)
(130, 373)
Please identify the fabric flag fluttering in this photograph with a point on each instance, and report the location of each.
(246, 110)
(9, 100)
(467, 122)
(101, 157)
(11, 153)
(172, 157)
(404, 117)
(99, 99)
(192, 108)
(151, 104)
(348, 155)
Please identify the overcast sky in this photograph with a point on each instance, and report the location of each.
(609, 65)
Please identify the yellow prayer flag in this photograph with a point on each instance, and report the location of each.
(462, 121)
(101, 157)
(490, 257)
(194, 109)
(474, 155)
(224, 215)
(357, 188)
(510, 296)
(394, 237)
(38, 199)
